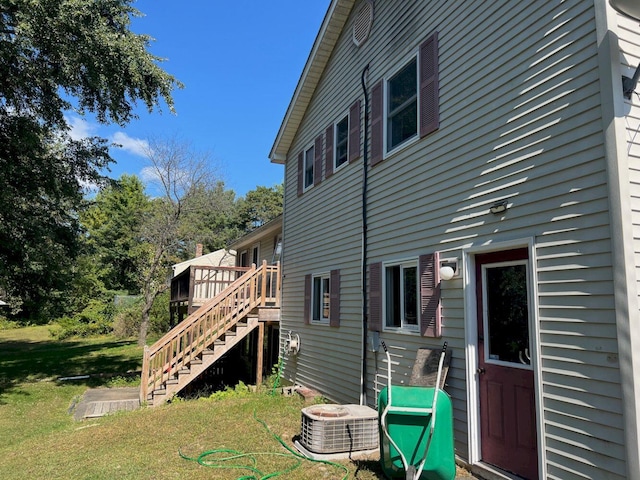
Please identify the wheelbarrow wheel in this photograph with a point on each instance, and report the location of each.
(411, 473)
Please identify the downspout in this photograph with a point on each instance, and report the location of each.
(365, 315)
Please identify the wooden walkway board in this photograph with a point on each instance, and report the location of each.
(102, 408)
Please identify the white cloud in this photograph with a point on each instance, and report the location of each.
(80, 128)
(136, 146)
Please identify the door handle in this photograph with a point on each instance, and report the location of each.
(480, 371)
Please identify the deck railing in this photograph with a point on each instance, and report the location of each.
(178, 347)
(203, 282)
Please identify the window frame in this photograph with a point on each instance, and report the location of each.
(255, 254)
(323, 279)
(308, 155)
(343, 118)
(404, 326)
(387, 149)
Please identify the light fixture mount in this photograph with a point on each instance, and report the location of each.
(499, 206)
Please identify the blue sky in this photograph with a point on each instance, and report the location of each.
(240, 62)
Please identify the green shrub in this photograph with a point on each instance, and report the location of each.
(159, 318)
(126, 321)
(95, 319)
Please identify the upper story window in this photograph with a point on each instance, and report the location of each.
(401, 295)
(402, 105)
(342, 142)
(405, 105)
(309, 156)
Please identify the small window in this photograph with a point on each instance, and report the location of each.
(321, 299)
(342, 142)
(401, 295)
(402, 106)
(308, 167)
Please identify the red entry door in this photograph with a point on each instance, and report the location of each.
(507, 395)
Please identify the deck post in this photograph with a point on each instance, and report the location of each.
(278, 285)
(144, 375)
(263, 290)
(259, 351)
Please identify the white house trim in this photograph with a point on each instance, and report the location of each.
(471, 341)
(614, 111)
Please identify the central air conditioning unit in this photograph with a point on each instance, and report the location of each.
(339, 428)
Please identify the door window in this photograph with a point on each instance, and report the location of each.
(506, 313)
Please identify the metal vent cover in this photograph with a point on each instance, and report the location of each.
(339, 428)
(362, 23)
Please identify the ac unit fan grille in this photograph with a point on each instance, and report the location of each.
(358, 430)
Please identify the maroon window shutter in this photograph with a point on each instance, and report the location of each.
(300, 173)
(376, 123)
(307, 299)
(430, 308)
(317, 161)
(334, 298)
(375, 297)
(429, 101)
(328, 151)
(354, 131)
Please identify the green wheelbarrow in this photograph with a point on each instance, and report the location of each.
(413, 445)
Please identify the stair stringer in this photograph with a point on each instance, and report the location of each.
(206, 359)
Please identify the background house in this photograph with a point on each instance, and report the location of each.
(491, 138)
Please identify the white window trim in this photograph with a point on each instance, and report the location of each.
(385, 107)
(335, 141)
(408, 329)
(322, 276)
(243, 252)
(304, 167)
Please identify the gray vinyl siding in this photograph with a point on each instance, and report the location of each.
(520, 118)
(629, 58)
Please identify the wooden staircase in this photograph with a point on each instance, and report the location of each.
(207, 334)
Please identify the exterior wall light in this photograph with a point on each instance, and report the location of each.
(499, 207)
(448, 268)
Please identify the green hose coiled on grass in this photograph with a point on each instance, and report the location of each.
(224, 455)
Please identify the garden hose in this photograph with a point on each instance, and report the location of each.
(225, 456)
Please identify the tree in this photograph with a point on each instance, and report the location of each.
(113, 231)
(54, 50)
(56, 55)
(179, 174)
(40, 196)
(260, 206)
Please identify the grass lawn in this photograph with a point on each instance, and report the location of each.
(40, 439)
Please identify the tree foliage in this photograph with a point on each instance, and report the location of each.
(55, 50)
(260, 206)
(113, 223)
(57, 55)
(40, 195)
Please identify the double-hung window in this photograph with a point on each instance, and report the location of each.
(321, 298)
(342, 142)
(309, 157)
(405, 104)
(402, 105)
(401, 295)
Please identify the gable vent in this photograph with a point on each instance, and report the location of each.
(362, 23)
